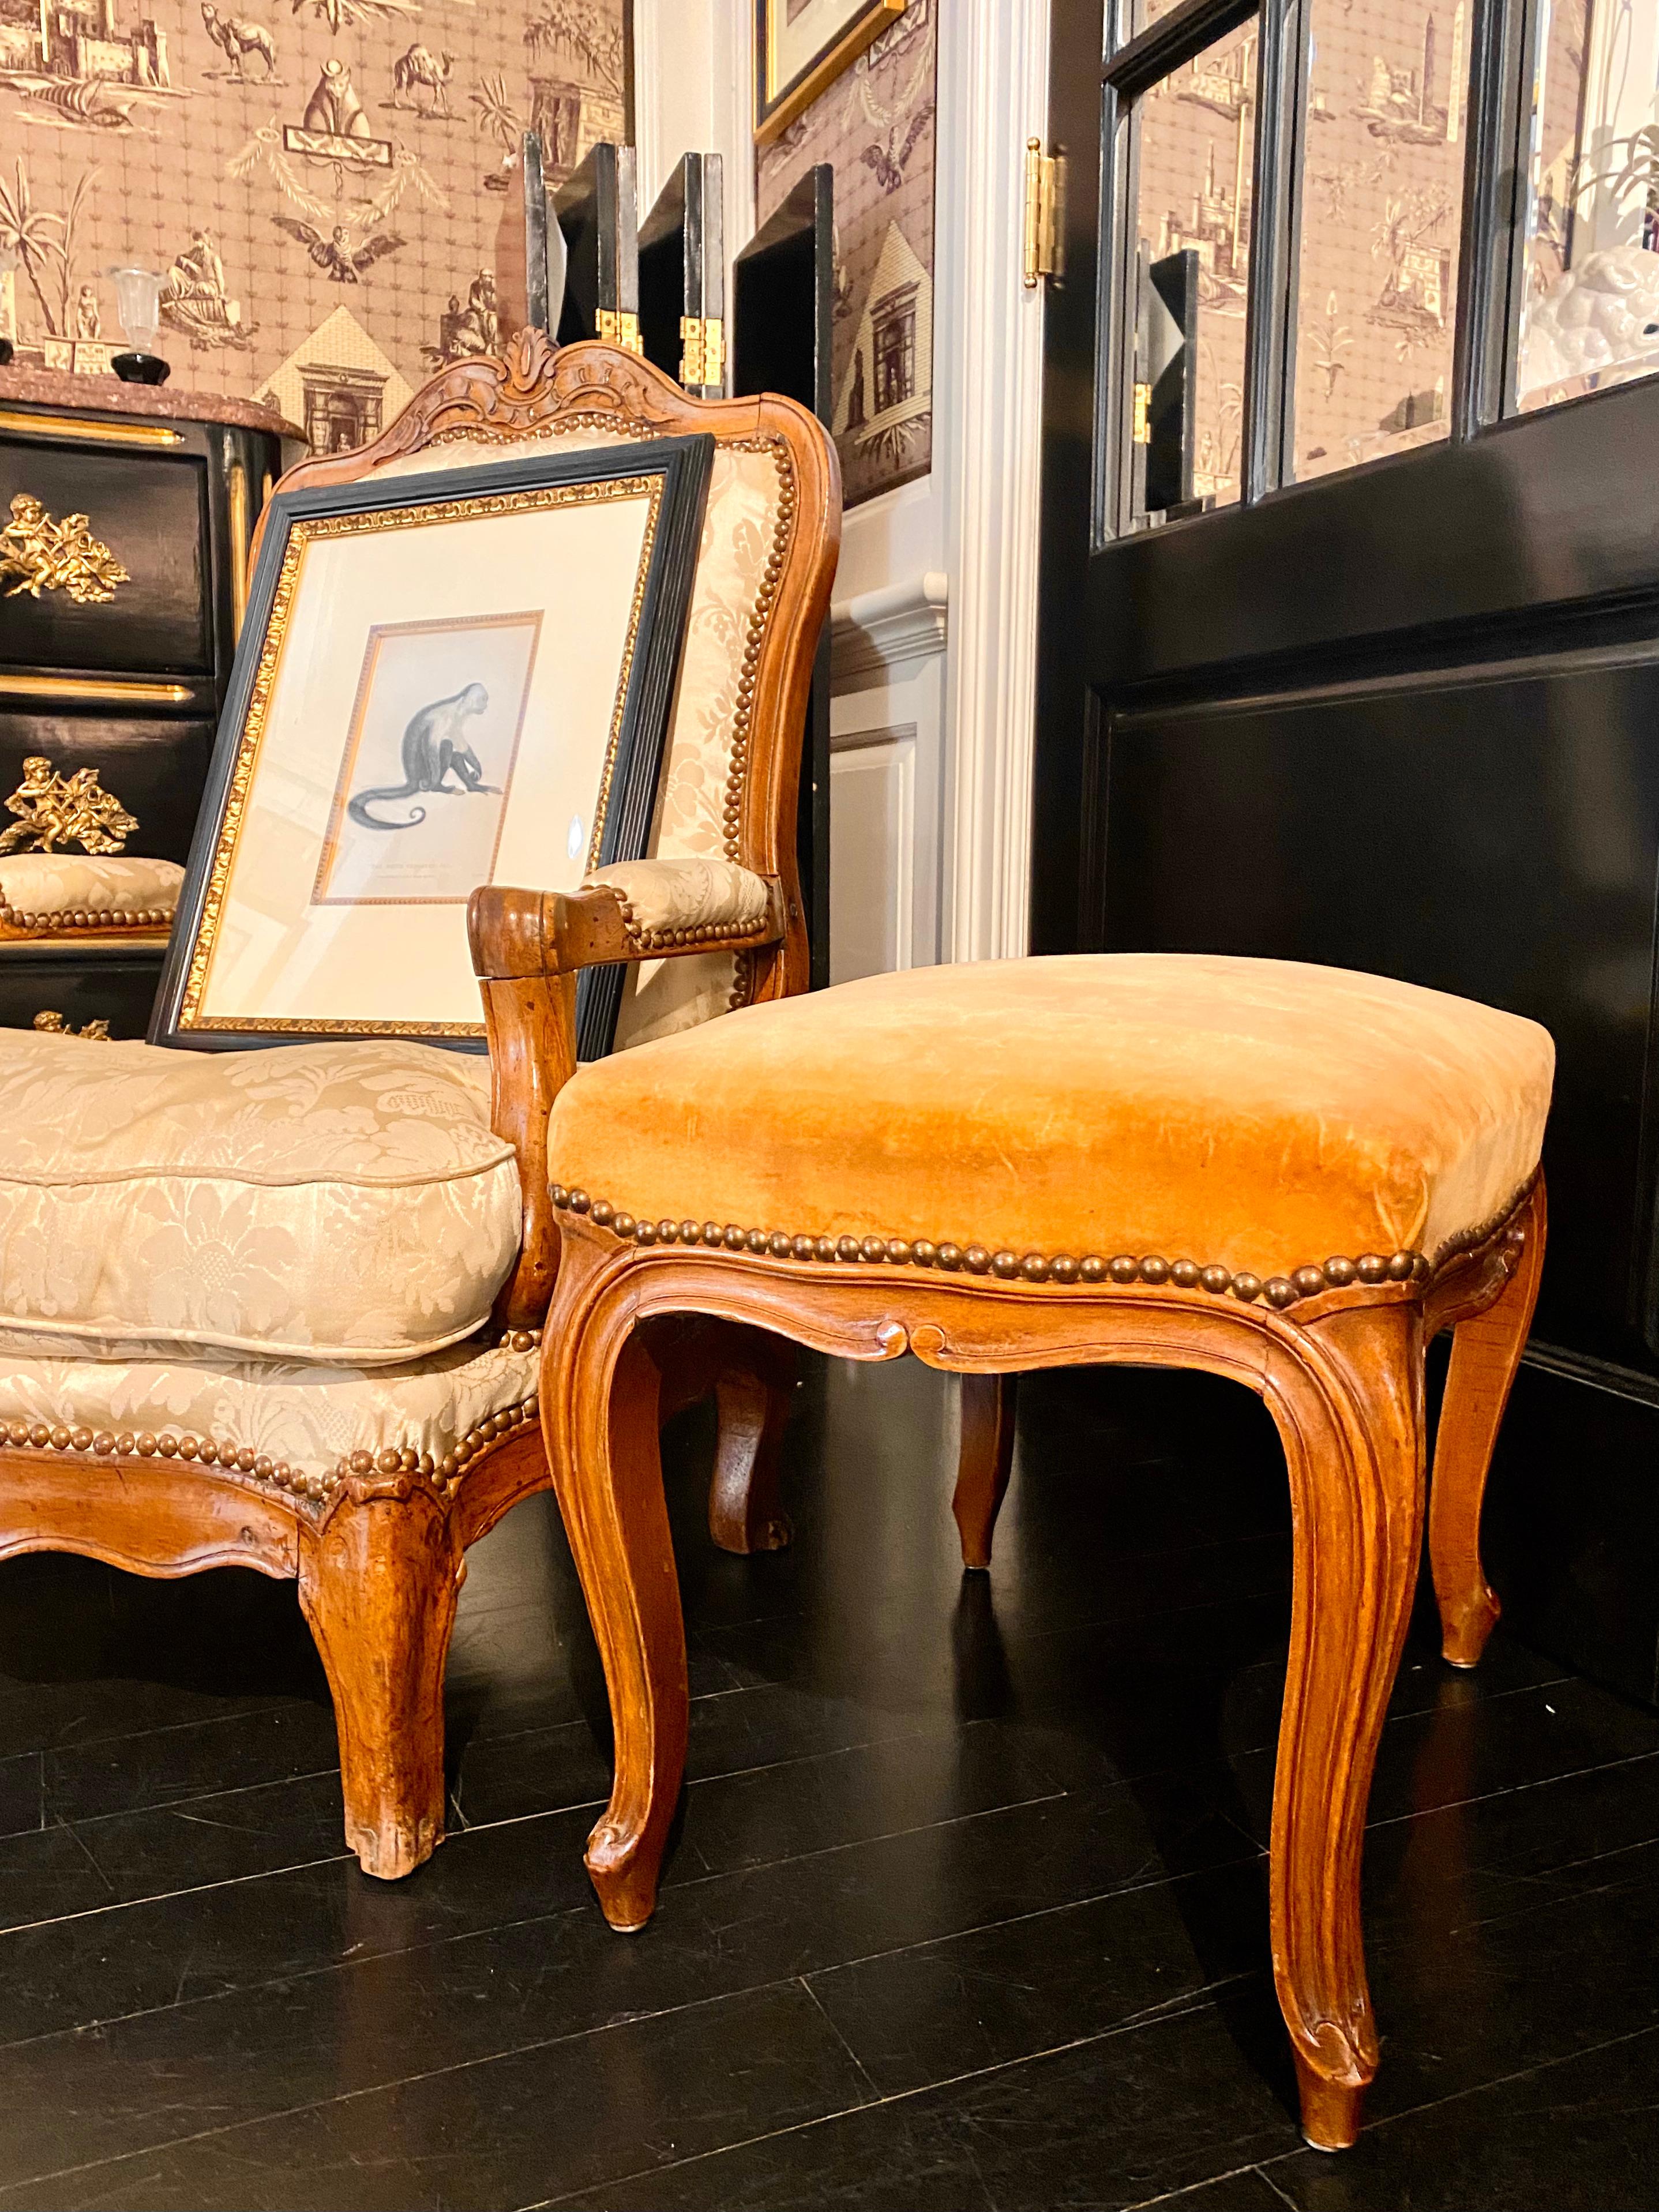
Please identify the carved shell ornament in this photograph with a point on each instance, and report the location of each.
(38, 554)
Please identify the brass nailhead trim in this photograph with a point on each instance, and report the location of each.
(1278, 1291)
(242, 1458)
(713, 934)
(151, 918)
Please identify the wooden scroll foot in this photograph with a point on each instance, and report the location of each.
(985, 1457)
(607, 1470)
(378, 1584)
(1330, 2113)
(1487, 1351)
(1348, 1405)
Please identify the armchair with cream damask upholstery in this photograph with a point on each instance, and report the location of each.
(281, 1309)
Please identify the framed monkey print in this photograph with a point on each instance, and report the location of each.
(445, 680)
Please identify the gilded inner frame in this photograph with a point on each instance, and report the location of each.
(801, 46)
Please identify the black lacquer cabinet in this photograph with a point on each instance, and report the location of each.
(130, 684)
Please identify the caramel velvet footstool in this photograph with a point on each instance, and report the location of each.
(1291, 1175)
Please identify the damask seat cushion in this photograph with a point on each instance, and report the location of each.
(1251, 1115)
(59, 890)
(338, 1202)
(301, 1425)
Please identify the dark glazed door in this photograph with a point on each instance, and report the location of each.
(1365, 293)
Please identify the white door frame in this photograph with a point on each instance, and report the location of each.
(693, 64)
(987, 427)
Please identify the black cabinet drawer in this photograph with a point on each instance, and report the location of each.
(117, 988)
(155, 767)
(150, 510)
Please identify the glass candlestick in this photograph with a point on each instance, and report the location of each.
(138, 304)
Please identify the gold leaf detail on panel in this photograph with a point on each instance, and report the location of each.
(53, 810)
(44, 555)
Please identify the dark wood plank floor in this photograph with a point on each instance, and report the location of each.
(967, 1909)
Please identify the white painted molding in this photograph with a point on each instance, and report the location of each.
(988, 342)
(889, 632)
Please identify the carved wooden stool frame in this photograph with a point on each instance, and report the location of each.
(1339, 1365)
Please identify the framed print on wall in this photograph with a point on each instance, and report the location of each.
(444, 680)
(803, 45)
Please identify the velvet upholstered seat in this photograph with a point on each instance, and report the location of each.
(1249, 1117)
(1291, 1176)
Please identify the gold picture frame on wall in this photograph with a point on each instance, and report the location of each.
(801, 46)
(445, 680)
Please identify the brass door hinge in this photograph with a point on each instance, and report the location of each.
(618, 328)
(702, 356)
(1140, 430)
(1042, 192)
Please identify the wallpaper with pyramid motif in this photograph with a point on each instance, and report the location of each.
(322, 184)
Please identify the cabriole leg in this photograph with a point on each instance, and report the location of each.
(378, 1584)
(1354, 1444)
(985, 1456)
(753, 1398)
(1487, 1351)
(607, 1470)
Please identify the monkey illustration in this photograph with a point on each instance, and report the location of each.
(433, 744)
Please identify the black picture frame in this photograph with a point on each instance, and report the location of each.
(684, 465)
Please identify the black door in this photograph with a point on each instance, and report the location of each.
(1351, 599)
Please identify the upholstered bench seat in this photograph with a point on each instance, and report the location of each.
(46, 893)
(346, 1204)
(1250, 1120)
(301, 1425)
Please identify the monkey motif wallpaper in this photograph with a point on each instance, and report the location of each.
(320, 184)
(875, 126)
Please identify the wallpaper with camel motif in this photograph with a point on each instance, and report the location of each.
(319, 182)
(875, 127)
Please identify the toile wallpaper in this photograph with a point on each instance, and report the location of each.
(319, 182)
(875, 126)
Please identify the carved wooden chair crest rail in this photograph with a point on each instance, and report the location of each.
(199, 1450)
(1248, 1115)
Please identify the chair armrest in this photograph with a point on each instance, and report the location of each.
(529, 947)
(634, 910)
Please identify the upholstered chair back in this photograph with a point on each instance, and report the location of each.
(764, 568)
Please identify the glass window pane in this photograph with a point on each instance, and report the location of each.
(1191, 243)
(1589, 314)
(1382, 219)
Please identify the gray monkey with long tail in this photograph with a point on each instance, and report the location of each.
(433, 744)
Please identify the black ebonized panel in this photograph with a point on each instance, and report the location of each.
(1398, 719)
(154, 766)
(1498, 839)
(595, 211)
(1465, 543)
(782, 315)
(170, 515)
(1571, 1534)
(151, 511)
(116, 987)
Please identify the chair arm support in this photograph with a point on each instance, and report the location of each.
(528, 949)
(634, 910)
